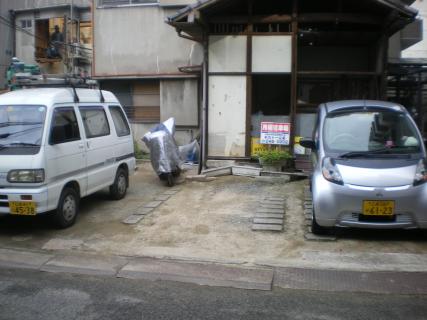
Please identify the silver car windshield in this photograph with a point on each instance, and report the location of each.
(374, 132)
(21, 128)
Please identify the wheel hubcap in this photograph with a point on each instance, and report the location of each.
(69, 207)
(121, 184)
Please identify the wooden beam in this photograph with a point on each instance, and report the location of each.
(257, 19)
(339, 17)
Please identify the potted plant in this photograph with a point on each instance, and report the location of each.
(274, 159)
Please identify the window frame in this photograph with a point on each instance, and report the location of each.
(100, 4)
(84, 123)
(123, 116)
(52, 125)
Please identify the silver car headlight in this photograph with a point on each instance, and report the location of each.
(26, 176)
(330, 171)
(420, 173)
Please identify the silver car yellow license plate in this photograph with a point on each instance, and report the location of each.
(378, 208)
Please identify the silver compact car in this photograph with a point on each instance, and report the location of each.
(369, 167)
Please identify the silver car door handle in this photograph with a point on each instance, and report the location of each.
(81, 146)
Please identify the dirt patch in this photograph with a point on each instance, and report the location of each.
(204, 221)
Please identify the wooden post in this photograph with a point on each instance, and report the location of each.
(294, 75)
(249, 80)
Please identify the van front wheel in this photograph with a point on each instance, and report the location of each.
(67, 210)
(119, 188)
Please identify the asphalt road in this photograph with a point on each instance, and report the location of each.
(38, 295)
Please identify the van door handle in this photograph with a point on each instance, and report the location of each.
(81, 145)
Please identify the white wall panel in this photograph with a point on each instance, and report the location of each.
(227, 53)
(227, 116)
(272, 54)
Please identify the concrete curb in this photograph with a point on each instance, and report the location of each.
(258, 277)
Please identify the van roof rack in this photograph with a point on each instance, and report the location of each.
(26, 80)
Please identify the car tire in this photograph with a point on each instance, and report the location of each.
(68, 207)
(119, 188)
(317, 229)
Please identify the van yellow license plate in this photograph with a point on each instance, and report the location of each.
(22, 208)
(378, 208)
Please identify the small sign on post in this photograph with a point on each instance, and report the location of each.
(275, 133)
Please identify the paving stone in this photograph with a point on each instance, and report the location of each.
(308, 211)
(268, 221)
(308, 216)
(267, 227)
(275, 198)
(84, 264)
(153, 204)
(272, 206)
(162, 197)
(199, 273)
(143, 211)
(313, 237)
(268, 210)
(269, 215)
(21, 259)
(170, 192)
(216, 172)
(274, 202)
(133, 219)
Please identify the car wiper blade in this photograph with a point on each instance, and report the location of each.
(19, 144)
(19, 123)
(356, 154)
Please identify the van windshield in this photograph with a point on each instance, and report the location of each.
(21, 129)
(372, 133)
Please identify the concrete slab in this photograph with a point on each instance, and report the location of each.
(23, 259)
(133, 219)
(267, 227)
(162, 197)
(246, 171)
(85, 264)
(170, 192)
(351, 281)
(217, 172)
(274, 202)
(268, 210)
(268, 221)
(153, 204)
(272, 206)
(143, 211)
(275, 198)
(199, 273)
(269, 215)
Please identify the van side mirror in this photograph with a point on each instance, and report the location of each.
(308, 143)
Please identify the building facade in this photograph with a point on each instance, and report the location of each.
(278, 60)
(138, 57)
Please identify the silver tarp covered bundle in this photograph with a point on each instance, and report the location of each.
(165, 157)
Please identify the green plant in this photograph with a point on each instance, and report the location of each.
(273, 155)
(139, 154)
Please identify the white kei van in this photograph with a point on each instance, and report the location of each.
(58, 145)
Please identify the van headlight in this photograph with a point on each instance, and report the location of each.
(420, 173)
(26, 176)
(330, 171)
